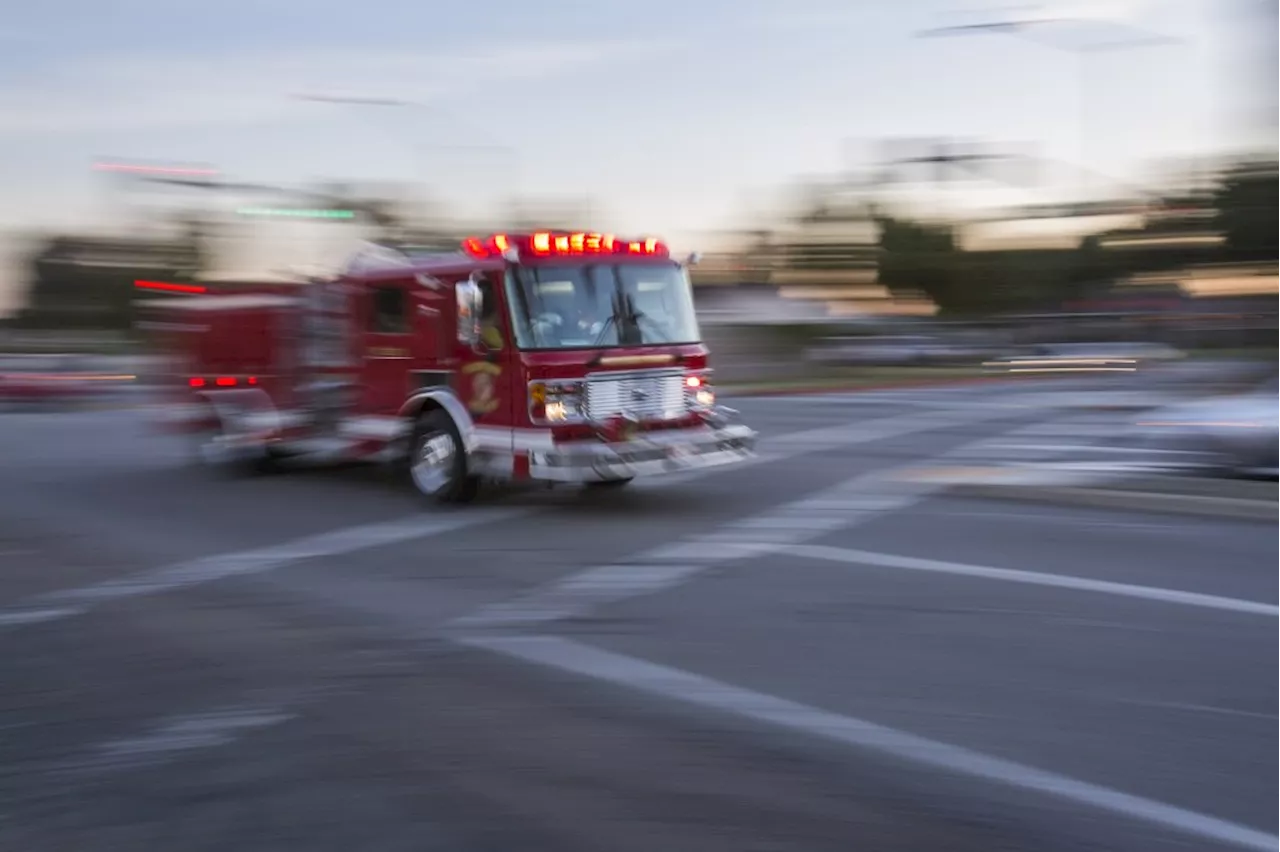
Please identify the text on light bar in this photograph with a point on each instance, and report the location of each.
(553, 244)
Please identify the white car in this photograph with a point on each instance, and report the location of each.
(1235, 434)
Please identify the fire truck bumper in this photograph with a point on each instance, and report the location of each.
(657, 453)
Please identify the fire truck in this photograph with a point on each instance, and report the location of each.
(543, 357)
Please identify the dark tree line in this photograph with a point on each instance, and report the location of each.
(926, 257)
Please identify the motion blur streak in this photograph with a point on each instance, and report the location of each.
(555, 431)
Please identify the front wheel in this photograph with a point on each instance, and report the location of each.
(437, 461)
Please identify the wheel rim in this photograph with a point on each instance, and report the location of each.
(433, 462)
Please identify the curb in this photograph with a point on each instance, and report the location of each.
(1139, 501)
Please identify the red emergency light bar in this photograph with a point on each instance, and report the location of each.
(170, 288)
(554, 244)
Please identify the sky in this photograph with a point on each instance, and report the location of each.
(675, 117)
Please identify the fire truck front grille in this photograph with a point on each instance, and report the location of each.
(648, 395)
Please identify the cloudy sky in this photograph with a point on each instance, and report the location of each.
(672, 115)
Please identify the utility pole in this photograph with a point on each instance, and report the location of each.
(1031, 29)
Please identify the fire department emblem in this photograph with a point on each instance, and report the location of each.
(483, 397)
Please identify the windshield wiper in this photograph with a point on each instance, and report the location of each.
(609, 322)
(622, 312)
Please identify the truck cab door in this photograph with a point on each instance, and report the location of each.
(485, 380)
(386, 345)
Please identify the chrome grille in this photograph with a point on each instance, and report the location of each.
(648, 395)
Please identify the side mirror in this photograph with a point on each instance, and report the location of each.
(694, 259)
(470, 309)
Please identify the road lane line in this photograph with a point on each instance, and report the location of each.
(847, 504)
(1061, 581)
(18, 617)
(673, 564)
(170, 737)
(777, 530)
(56, 606)
(689, 688)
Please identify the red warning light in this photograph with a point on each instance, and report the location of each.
(551, 244)
(170, 288)
(225, 381)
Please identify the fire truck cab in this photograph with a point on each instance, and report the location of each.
(554, 357)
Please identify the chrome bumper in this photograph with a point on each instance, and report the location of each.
(657, 453)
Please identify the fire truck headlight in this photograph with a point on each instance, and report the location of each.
(555, 402)
(699, 394)
(557, 412)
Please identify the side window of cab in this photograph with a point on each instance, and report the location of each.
(389, 313)
(491, 325)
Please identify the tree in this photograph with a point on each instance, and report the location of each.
(1247, 214)
(923, 258)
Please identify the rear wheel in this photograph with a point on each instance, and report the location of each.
(438, 462)
(211, 449)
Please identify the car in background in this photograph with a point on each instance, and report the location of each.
(889, 350)
(1235, 434)
(50, 380)
(1084, 358)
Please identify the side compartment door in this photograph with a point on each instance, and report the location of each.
(385, 345)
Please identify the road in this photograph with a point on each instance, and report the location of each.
(818, 650)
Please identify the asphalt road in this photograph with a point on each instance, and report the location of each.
(816, 651)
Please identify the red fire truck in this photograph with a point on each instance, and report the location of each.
(554, 357)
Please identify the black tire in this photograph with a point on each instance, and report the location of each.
(611, 484)
(446, 479)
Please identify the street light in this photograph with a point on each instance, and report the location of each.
(1027, 29)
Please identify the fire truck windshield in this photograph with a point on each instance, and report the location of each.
(585, 306)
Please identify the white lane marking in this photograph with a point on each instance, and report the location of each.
(56, 606)
(1061, 581)
(847, 504)
(670, 565)
(1095, 448)
(779, 529)
(1002, 516)
(178, 734)
(36, 616)
(690, 688)
(1201, 708)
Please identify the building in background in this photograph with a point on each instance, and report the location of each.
(87, 283)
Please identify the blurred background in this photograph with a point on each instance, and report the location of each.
(1018, 591)
(922, 192)
(903, 184)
